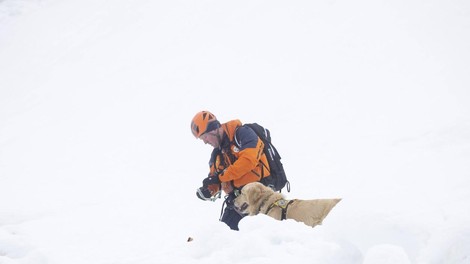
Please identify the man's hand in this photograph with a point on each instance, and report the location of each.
(211, 180)
(227, 187)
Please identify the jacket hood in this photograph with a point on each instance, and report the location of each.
(230, 127)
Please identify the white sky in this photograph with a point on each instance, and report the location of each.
(367, 101)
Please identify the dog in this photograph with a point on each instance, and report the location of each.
(256, 198)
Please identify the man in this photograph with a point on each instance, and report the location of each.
(237, 159)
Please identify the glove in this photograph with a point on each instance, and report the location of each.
(211, 180)
(203, 194)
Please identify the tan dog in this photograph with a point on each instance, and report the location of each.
(257, 198)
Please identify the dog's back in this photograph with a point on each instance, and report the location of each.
(257, 198)
(311, 212)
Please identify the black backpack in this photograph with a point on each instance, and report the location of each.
(278, 175)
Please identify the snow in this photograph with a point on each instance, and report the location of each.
(366, 100)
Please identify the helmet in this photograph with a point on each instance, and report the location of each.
(203, 122)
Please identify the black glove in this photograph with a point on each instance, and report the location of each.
(211, 180)
(203, 194)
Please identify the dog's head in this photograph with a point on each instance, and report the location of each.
(251, 197)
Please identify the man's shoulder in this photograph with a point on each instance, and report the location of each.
(246, 137)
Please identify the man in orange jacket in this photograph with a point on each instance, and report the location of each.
(236, 160)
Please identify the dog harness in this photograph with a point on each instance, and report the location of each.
(283, 204)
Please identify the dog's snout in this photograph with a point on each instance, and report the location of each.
(242, 208)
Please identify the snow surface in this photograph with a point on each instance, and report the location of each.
(366, 100)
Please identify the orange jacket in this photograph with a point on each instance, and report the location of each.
(239, 162)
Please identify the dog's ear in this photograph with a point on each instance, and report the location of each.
(261, 188)
(256, 193)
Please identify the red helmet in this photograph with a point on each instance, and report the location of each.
(203, 122)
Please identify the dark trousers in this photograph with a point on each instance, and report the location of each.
(230, 216)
